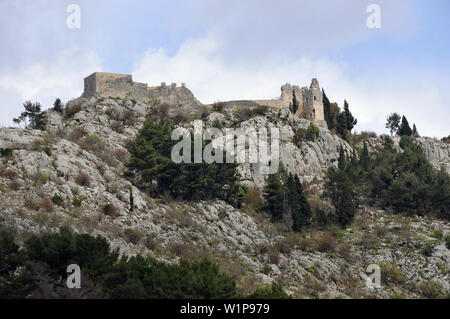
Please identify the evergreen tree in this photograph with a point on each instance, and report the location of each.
(393, 123)
(414, 131)
(350, 120)
(404, 129)
(339, 188)
(364, 158)
(301, 211)
(342, 160)
(57, 106)
(32, 116)
(274, 197)
(151, 160)
(341, 125)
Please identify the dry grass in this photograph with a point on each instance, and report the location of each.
(274, 258)
(121, 155)
(178, 249)
(31, 204)
(109, 210)
(71, 111)
(83, 179)
(117, 126)
(47, 205)
(14, 185)
(326, 242)
(77, 133)
(7, 173)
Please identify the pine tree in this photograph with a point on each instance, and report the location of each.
(300, 209)
(393, 123)
(58, 107)
(32, 116)
(404, 129)
(342, 160)
(341, 125)
(274, 197)
(364, 158)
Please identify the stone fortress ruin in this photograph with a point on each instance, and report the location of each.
(104, 85)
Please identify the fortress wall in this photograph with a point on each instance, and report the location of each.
(272, 103)
(122, 86)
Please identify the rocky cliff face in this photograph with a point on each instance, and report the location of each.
(61, 177)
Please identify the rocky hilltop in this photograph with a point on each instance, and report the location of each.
(70, 173)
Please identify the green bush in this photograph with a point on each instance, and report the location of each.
(313, 132)
(57, 200)
(447, 241)
(77, 201)
(44, 260)
(275, 291)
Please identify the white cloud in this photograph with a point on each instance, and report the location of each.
(60, 77)
(200, 64)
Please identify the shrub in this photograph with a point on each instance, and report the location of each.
(284, 247)
(390, 273)
(7, 173)
(274, 258)
(47, 205)
(6, 152)
(253, 198)
(260, 110)
(447, 241)
(437, 234)
(121, 155)
(380, 231)
(117, 126)
(72, 110)
(133, 236)
(14, 185)
(77, 201)
(275, 291)
(31, 204)
(77, 133)
(129, 118)
(92, 143)
(150, 242)
(345, 251)
(326, 242)
(83, 179)
(180, 117)
(109, 210)
(428, 248)
(306, 244)
(431, 290)
(266, 269)
(178, 249)
(313, 132)
(218, 106)
(42, 178)
(300, 136)
(57, 200)
(262, 249)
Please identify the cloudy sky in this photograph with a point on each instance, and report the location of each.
(236, 50)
